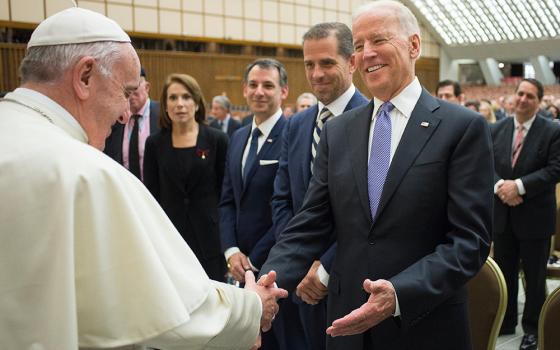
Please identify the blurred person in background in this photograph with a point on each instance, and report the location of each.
(221, 108)
(305, 101)
(450, 91)
(487, 111)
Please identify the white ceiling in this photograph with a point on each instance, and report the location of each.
(502, 29)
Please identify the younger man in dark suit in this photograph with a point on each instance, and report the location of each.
(126, 142)
(327, 57)
(246, 226)
(223, 121)
(527, 168)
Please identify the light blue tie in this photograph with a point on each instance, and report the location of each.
(380, 157)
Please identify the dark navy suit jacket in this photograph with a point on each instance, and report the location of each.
(245, 213)
(294, 171)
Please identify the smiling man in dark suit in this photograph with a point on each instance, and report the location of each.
(404, 186)
(527, 164)
(327, 57)
(246, 226)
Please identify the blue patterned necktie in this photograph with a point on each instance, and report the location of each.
(321, 120)
(380, 157)
(252, 155)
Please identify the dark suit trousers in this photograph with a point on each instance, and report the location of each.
(314, 321)
(509, 251)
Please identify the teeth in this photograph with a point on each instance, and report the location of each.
(374, 68)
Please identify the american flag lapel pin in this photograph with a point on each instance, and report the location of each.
(424, 124)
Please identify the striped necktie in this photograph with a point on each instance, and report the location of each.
(321, 120)
(518, 144)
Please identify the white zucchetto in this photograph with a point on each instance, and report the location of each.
(76, 26)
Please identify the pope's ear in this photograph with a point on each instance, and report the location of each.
(82, 77)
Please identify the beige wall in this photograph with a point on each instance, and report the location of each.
(254, 21)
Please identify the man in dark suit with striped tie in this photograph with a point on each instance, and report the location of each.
(327, 53)
(527, 168)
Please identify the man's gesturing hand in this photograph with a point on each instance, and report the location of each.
(381, 304)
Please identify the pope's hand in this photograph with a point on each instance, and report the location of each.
(269, 295)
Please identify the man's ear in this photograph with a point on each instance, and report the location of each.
(147, 85)
(414, 48)
(82, 77)
(352, 63)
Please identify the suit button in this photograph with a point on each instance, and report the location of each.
(186, 201)
(371, 242)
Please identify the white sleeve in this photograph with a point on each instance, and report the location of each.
(228, 319)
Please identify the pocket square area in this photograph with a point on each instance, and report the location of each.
(267, 162)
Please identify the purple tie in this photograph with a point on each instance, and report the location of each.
(380, 156)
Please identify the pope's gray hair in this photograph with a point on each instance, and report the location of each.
(407, 20)
(46, 64)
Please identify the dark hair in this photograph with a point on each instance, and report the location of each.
(268, 63)
(192, 87)
(535, 83)
(473, 103)
(456, 87)
(341, 31)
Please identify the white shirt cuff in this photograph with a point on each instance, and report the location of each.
(497, 185)
(323, 275)
(520, 187)
(252, 266)
(397, 307)
(230, 251)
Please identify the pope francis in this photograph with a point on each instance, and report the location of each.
(88, 259)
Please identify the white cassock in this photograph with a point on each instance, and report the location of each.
(88, 259)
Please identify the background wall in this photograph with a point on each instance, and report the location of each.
(249, 24)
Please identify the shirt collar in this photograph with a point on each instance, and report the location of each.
(337, 106)
(145, 109)
(526, 125)
(403, 102)
(61, 117)
(266, 126)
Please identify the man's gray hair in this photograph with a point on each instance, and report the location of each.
(341, 31)
(407, 20)
(268, 63)
(222, 101)
(307, 95)
(45, 64)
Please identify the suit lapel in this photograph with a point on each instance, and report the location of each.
(237, 157)
(505, 146)
(357, 133)
(306, 135)
(411, 144)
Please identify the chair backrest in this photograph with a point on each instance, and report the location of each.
(487, 305)
(549, 336)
